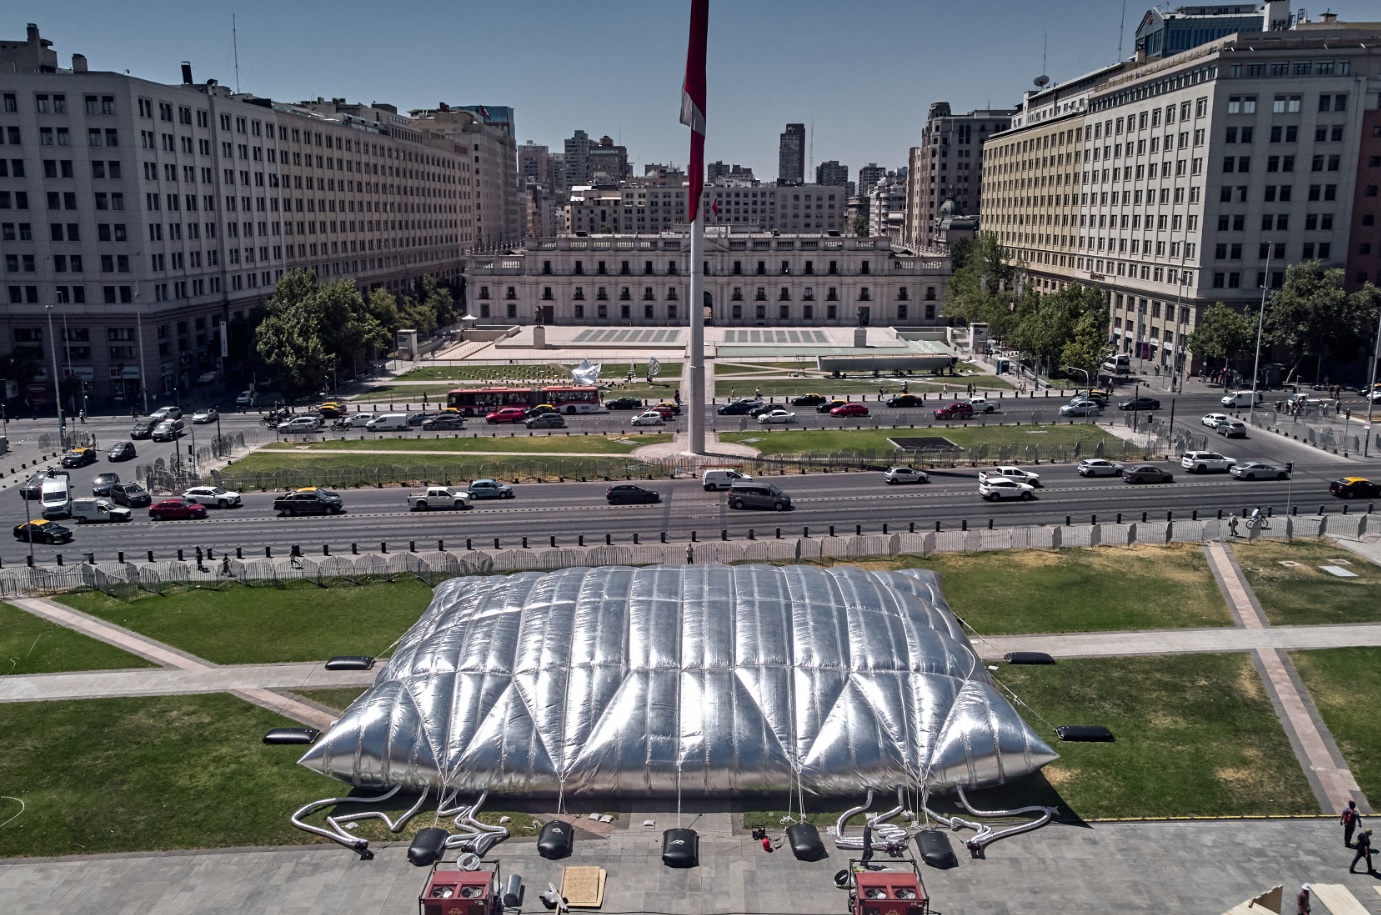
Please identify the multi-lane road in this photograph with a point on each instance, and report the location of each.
(567, 511)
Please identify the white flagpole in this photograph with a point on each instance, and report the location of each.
(697, 402)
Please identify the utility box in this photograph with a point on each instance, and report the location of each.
(459, 893)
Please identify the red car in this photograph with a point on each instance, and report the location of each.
(954, 410)
(176, 509)
(849, 409)
(507, 415)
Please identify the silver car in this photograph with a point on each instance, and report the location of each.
(905, 475)
(1099, 467)
(1081, 408)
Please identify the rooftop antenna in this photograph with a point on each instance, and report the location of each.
(1121, 29)
(810, 165)
(235, 42)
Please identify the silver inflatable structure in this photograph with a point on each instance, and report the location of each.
(703, 679)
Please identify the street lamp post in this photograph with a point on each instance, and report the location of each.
(139, 325)
(1371, 388)
(57, 392)
(1260, 322)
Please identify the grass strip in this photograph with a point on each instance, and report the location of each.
(1196, 735)
(1341, 681)
(805, 441)
(32, 645)
(278, 470)
(264, 625)
(1013, 592)
(335, 699)
(1303, 593)
(522, 443)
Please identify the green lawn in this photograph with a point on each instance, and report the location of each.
(159, 772)
(337, 699)
(546, 372)
(1305, 594)
(264, 625)
(32, 645)
(521, 443)
(1005, 592)
(802, 441)
(1196, 735)
(399, 395)
(1343, 682)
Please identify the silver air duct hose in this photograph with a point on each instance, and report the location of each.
(884, 834)
(984, 834)
(474, 837)
(337, 833)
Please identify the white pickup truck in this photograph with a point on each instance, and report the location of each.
(438, 497)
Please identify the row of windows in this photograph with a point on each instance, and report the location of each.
(1290, 68)
(56, 103)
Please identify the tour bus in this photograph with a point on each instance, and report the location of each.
(568, 399)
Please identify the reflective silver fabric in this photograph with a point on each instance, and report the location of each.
(617, 679)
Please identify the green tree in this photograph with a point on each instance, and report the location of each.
(1223, 333)
(1067, 327)
(860, 226)
(1311, 314)
(1089, 340)
(983, 289)
(310, 329)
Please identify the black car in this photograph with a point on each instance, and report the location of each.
(739, 407)
(623, 403)
(41, 531)
(32, 488)
(79, 457)
(309, 501)
(142, 428)
(829, 405)
(104, 483)
(443, 421)
(417, 419)
(1140, 403)
(763, 408)
(630, 493)
(809, 400)
(1146, 474)
(130, 495)
(122, 451)
(540, 410)
(1353, 488)
(904, 400)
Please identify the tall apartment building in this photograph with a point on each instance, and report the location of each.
(791, 155)
(720, 172)
(832, 174)
(1164, 33)
(751, 279)
(947, 166)
(647, 205)
(868, 176)
(608, 162)
(152, 216)
(577, 160)
(1178, 183)
(887, 208)
(488, 133)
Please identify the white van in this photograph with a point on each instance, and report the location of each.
(99, 510)
(388, 422)
(1242, 399)
(1118, 364)
(56, 496)
(722, 479)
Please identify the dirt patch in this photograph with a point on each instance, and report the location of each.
(925, 443)
(1249, 683)
(1237, 776)
(1057, 776)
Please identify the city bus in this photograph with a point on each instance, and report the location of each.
(565, 398)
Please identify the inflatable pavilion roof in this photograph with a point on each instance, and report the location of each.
(710, 679)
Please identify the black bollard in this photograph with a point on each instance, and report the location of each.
(179, 554)
(693, 540)
(751, 535)
(723, 534)
(831, 530)
(608, 539)
(120, 556)
(239, 552)
(524, 541)
(268, 552)
(354, 549)
(383, 547)
(990, 524)
(1143, 517)
(412, 546)
(440, 546)
(59, 559)
(664, 538)
(496, 543)
(580, 539)
(553, 539)
(964, 524)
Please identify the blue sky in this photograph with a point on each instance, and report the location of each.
(864, 72)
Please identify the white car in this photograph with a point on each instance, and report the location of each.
(1010, 473)
(982, 405)
(905, 475)
(1081, 408)
(209, 415)
(1213, 419)
(246, 399)
(212, 497)
(994, 489)
(1206, 462)
(777, 416)
(649, 418)
(1098, 467)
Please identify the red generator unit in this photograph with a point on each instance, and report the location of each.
(888, 892)
(452, 892)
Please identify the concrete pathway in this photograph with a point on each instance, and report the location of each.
(159, 653)
(1323, 764)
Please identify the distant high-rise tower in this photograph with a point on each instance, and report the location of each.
(791, 155)
(832, 174)
(868, 176)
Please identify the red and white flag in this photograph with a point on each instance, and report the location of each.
(714, 209)
(693, 101)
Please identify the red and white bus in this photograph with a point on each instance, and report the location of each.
(565, 398)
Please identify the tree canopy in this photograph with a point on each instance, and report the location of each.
(1223, 333)
(1311, 314)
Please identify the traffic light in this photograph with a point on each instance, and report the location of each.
(1289, 466)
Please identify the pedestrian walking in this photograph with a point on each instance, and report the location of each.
(225, 566)
(757, 392)
(867, 844)
(1302, 901)
(1363, 847)
(1349, 820)
(1232, 525)
(200, 557)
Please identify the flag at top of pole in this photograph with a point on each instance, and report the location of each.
(693, 101)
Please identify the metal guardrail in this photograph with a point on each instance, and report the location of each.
(126, 580)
